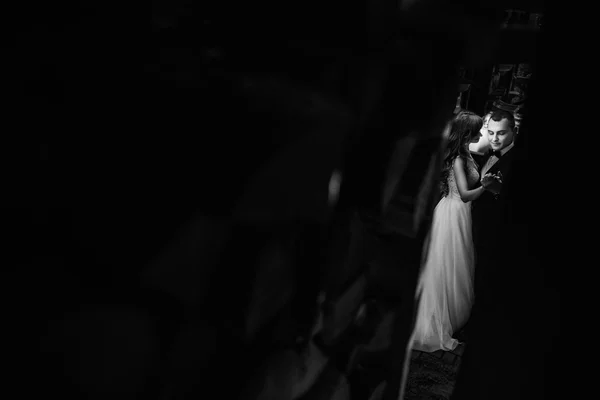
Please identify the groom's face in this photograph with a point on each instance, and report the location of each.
(500, 134)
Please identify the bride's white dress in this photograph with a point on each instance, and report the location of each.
(446, 281)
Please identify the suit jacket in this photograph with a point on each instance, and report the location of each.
(489, 209)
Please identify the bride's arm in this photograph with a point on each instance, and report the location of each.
(466, 195)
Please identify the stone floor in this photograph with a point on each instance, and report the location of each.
(432, 376)
(381, 341)
(449, 357)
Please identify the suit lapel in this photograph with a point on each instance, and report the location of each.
(500, 164)
(503, 162)
(484, 163)
(497, 165)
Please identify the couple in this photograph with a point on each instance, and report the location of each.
(446, 285)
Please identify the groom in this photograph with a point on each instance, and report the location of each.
(488, 210)
(517, 291)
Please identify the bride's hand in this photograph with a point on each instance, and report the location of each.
(488, 179)
(492, 182)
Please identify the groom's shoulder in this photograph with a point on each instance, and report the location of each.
(512, 154)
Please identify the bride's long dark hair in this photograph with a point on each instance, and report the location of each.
(464, 127)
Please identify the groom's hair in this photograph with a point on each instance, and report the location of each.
(499, 115)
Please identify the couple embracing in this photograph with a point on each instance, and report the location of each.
(462, 228)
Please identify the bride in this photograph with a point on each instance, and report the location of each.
(446, 282)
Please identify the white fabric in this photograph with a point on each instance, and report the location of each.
(446, 281)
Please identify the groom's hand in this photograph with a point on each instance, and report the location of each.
(487, 179)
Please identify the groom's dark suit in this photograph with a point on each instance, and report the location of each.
(488, 213)
(517, 292)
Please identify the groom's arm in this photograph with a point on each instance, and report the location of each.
(506, 171)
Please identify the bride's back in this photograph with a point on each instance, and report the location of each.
(472, 178)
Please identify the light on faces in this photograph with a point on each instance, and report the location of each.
(500, 134)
